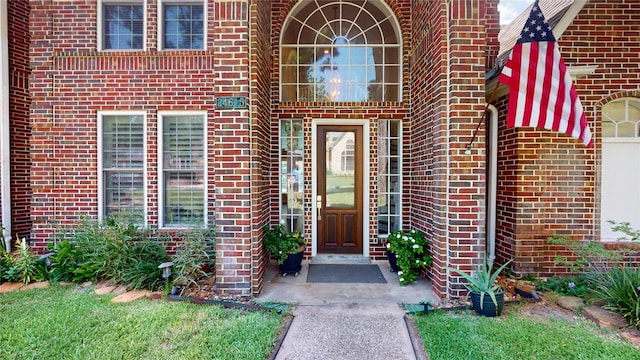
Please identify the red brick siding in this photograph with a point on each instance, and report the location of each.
(260, 84)
(20, 130)
(550, 182)
(343, 111)
(72, 81)
(448, 201)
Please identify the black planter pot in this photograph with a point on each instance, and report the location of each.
(292, 264)
(488, 308)
(393, 264)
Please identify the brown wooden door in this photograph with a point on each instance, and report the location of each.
(339, 202)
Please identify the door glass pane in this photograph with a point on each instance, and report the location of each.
(340, 169)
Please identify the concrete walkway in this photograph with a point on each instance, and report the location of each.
(347, 321)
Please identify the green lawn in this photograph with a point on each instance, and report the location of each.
(63, 323)
(465, 336)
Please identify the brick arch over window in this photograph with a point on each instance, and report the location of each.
(616, 96)
(342, 50)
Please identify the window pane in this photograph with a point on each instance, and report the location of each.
(390, 178)
(183, 27)
(123, 27)
(183, 167)
(291, 175)
(340, 67)
(123, 166)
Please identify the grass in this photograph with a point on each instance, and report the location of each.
(465, 336)
(63, 323)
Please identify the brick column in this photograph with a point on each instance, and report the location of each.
(232, 149)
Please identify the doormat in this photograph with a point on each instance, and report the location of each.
(345, 273)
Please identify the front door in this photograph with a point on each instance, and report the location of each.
(339, 198)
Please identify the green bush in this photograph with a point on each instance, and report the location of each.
(64, 260)
(22, 265)
(114, 249)
(105, 248)
(620, 290)
(411, 254)
(140, 271)
(195, 256)
(575, 285)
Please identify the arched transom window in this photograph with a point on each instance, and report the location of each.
(340, 50)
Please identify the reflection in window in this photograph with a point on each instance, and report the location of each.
(621, 118)
(340, 169)
(183, 26)
(183, 165)
(123, 27)
(340, 51)
(390, 176)
(291, 175)
(123, 166)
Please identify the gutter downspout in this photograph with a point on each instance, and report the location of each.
(447, 135)
(493, 185)
(5, 155)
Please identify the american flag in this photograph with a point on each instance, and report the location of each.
(541, 91)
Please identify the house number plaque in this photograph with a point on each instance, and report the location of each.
(231, 102)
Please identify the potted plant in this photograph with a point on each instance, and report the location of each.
(407, 254)
(287, 247)
(482, 284)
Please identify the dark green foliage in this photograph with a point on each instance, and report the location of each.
(140, 271)
(575, 285)
(280, 242)
(620, 290)
(64, 260)
(22, 265)
(411, 254)
(113, 249)
(195, 256)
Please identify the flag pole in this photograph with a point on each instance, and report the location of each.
(484, 114)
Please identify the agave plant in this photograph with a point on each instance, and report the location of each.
(484, 280)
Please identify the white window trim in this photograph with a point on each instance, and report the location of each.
(101, 200)
(401, 177)
(161, 200)
(160, 13)
(100, 22)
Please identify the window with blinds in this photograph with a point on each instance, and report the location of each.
(122, 164)
(183, 170)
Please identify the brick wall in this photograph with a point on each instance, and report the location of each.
(20, 130)
(72, 81)
(261, 123)
(448, 101)
(549, 182)
(372, 111)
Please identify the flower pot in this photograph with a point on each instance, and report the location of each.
(488, 308)
(393, 264)
(292, 264)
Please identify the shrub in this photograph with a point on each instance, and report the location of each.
(64, 260)
(23, 265)
(195, 256)
(575, 285)
(411, 253)
(113, 249)
(105, 247)
(620, 290)
(280, 243)
(140, 270)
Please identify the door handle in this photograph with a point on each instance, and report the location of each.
(319, 206)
